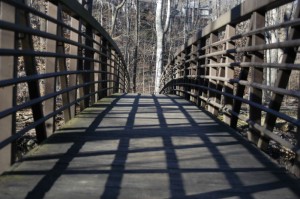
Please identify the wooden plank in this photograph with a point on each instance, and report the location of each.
(80, 77)
(62, 66)
(73, 64)
(257, 77)
(243, 75)
(112, 70)
(50, 65)
(108, 69)
(185, 57)
(7, 94)
(212, 72)
(88, 65)
(97, 76)
(193, 71)
(103, 66)
(120, 77)
(229, 72)
(167, 149)
(31, 69)
(201, 71)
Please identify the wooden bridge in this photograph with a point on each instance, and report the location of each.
(119, 145)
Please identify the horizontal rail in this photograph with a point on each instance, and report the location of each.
(54, 62)
(224, 68)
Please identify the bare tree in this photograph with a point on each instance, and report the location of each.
(136, 40)
(115, 11)
(160, 34)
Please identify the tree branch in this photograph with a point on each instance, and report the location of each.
(115, 15)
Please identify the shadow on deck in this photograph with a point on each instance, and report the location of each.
(146, 146)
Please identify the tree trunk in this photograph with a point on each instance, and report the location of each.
(136, 46)
(115, 12)
(160, 32)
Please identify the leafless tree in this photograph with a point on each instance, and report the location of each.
(160, 34)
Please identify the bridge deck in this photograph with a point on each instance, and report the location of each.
(144, 146)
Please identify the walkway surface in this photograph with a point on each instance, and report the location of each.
(146, 146)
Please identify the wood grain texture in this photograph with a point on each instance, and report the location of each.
(146, 146)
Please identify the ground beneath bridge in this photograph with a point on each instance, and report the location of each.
(146, 146)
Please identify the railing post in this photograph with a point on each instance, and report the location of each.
(193, 72)
(97, 75)
(186, 73)
(177, 75)
(7, 94)
(109, 69)
(212, 72)
(104, 68)
(73, 64)
(88, 64)
(80, 77)
(30, 69)
(117, 87)
(229, 71)
(113, 71)
(62, 66)
(257, 77)
(173, 77)
(50, 67)
(201, 72)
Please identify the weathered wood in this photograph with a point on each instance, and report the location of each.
(62, 66)
(7, 94)
(212, 72)
(186, 64)
(193, 72)
(50, 67)
(31, 69)
(103, 58)
(257, 77)
(73, 64)
(80, 77)
(229, 72)
(17, 45)
(146, 146)
(283, 76)
(97, 76)
(243, 75)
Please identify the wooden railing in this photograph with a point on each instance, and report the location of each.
(52, 60)
(224, 69)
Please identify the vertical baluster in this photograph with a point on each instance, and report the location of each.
(229, 71)
(212, 72)
(194, 69)
(201, 72)
(31, 69)
(104, 68)
(186, 73)
(62, 67)
(50, 65)
(7, 94)
(73, 64)
(255, 114)
(97, 76)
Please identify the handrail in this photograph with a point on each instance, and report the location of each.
(66, 56)
(220, 73)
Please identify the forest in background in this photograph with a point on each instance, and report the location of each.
(132, 24)
(135, 30)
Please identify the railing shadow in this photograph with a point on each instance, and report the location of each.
(188, 155)
(45, 184)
